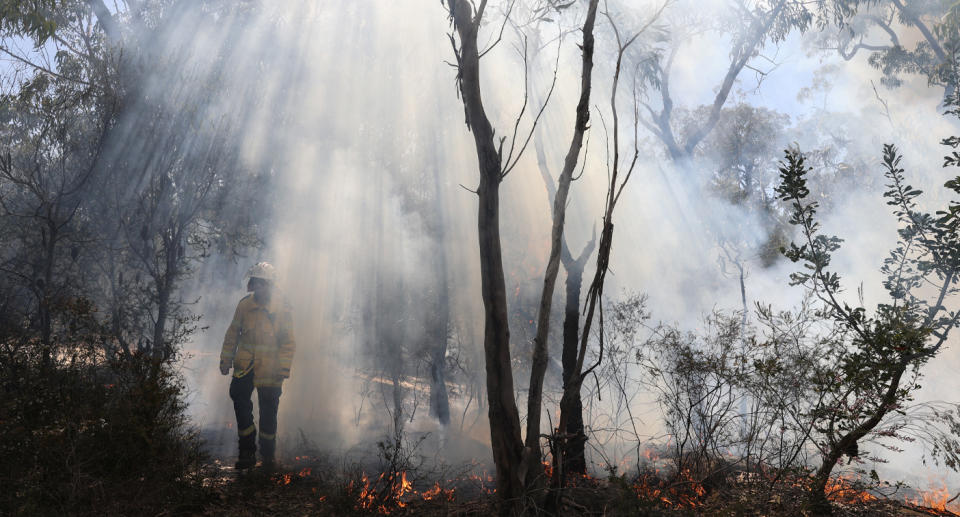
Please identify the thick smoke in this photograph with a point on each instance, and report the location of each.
(351, 112)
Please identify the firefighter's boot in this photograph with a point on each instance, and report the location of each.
(246, 460)
(268, 447)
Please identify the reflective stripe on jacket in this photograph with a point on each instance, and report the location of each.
(260, 339)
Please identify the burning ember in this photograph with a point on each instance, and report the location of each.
(286, 479)
(684, 493)
(840, 490)
(437, 492)
(390, 492)
(485, 483)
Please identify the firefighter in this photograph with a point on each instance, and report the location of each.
(259, 346)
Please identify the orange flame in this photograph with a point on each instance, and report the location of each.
(437, 492)
(685, 493)
(547, 468)
(936, 498)
(389, 492)
(840, 490)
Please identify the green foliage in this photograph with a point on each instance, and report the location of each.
(827, 377)
(90, 437)
(30, 18)
(949, 218)
(97, 240)
(874, 371)
(901, 277)
(815, 252)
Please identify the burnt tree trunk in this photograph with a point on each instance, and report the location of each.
(571, 407)
(540, 353)
(571, 415)
(574, 460)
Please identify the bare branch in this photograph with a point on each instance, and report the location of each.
(42, 68)
(506, 18)
(509, 166)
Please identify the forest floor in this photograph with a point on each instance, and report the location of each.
(314, 486)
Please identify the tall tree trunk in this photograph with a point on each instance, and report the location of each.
(574, 460)
(440, 317)
(570, 406)
(573, 455)
(505, 438)
(540, 352)
(502, 409)
(516, 464)
(44, 302)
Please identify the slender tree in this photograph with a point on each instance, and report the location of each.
(878, 368)
(619, 173)
(540, 352)
(516, 462)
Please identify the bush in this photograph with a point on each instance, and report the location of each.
(83, 437)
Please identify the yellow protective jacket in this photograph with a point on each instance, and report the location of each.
(260, 340)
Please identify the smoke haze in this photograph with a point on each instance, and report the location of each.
(350, 110)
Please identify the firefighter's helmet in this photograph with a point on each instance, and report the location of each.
(261, 270)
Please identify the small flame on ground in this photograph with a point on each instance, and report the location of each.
(841, 490)
(935, 498)
(686, 492)
(437, 492)
(393, 491)
(548, 468)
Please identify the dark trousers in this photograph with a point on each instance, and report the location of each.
(268, 397)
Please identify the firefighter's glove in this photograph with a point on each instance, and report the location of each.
(224, 368)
